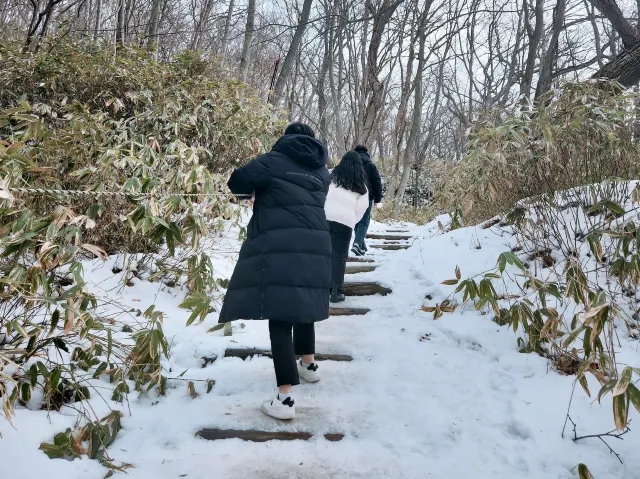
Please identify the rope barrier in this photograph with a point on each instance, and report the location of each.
(44, 191)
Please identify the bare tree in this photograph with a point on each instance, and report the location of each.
(227, 28)
(248, 34)
(535, 35)
(546, 66)
(154, 21)
(292, 53)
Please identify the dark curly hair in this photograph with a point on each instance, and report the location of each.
(350, 174)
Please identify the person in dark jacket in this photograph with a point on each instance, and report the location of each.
(284, 267)
(375, 196)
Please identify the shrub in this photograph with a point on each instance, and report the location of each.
(581, 134)
(575, 290)
(142, 146)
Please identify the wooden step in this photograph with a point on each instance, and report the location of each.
(348, 311)
(214, 434)
(391, 247)
(364, 289)
(356, 259)
(244, 353)
(388, 237)
(354, 269)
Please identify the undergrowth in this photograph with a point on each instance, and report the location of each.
(159, 136)
(571, 292)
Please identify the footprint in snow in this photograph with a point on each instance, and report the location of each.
(518, 430)
(499, 381)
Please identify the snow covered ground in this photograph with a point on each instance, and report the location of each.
(442, 399)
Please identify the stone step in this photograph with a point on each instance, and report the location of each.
(214, 434)
(244, 353)
(348, 311)
(364, 289)
(392, 247)
(388, 237)
(356, 259)
(355, 269)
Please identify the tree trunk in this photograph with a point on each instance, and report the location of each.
(534, 40)
(596, 32)
(121, 21)
(154, 20)
(625, 67)
(546, 67)
(96, 26)
(374, 88)
(201, 23)
(610, 9)
(292, 54)
(227, 28)
(4, 13)
(322, 98)
(335, 99)
(128, 13)
(248, 35)
(412, 140)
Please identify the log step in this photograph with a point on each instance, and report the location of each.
(388, 237)
(348, 311)
(391, 247)
(244, 353)
(397, 231)
(355, 259)
(354, 269)
(364, 289)
(213, 434)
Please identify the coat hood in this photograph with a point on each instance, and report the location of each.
(302, 149)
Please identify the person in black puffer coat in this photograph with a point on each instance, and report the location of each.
(284, 267)
(375, 196)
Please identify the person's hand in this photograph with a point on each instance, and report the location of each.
(379, 205)
(252, 200)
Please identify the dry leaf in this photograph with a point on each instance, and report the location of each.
(96, 250)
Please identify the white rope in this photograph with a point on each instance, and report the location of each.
(44, 191)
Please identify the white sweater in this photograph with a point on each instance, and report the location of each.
(345, 206)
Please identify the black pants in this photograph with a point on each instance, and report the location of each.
(340, 239)
(285, 350)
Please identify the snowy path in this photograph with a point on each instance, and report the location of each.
(442, 399)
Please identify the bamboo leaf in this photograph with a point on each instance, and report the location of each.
(218, 327)
(572, 336)
(584, 473)
(623, 381)
(634, 396)
(620, 411)
(585, 385)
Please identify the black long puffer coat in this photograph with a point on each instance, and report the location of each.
(375, 182)
(284, 268)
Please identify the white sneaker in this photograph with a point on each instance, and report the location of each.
(309, 373)
(279, 409)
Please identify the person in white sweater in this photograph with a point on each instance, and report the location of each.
(347, 202)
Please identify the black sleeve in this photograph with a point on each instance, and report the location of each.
(246, 179)
(376, 184)
(327, 182)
